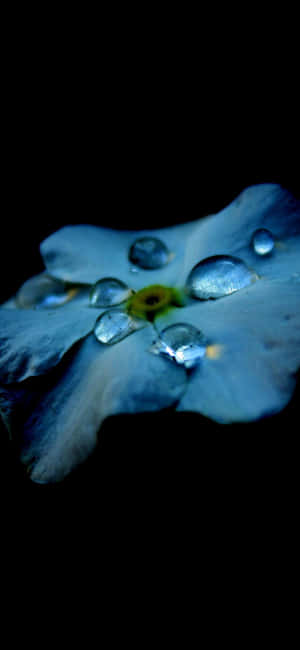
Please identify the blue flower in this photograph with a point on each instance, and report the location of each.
(203, 316)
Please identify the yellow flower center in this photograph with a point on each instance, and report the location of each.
(153, 300)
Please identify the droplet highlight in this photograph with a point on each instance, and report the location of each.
(114, 325)
(108, 292)
(263, 242)
(44, 292)
(218, 276)
(183, 343)
(149, 253)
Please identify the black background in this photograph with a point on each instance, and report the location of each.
(134, 159)
(138, 120)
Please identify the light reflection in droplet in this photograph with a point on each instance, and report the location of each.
(263, 242)
(183, 343)
(114, 325)
(149, 253)
(108, 292)
(218, 276)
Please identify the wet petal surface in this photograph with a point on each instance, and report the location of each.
(249, 369)
(89, 253)
(57, 428)
(231, 231)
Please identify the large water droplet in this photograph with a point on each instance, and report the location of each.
(109, 292)
(44, 292)
(263, 241)
(149, 253)
(114, 325)
(218, 276)
(181, 342)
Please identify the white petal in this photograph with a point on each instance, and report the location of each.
(33, 341)
(250, 370)
(58, 428)
(88, 253)
(230, 232)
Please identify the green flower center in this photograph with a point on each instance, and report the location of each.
(153, 301)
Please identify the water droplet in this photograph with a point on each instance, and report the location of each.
(263, 241)
(218, 276)
(109, 292)
(181, 342)
(114, 325)
(44, 292)
(149, 253)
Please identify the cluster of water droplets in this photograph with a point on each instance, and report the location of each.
(213, 277)
(222, 275)
(114, 324)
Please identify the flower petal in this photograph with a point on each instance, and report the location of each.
(33, 341)
(88, 253)
(230, 232)
(85, 254)
(58, 427)
(249, 369)
(9, 304)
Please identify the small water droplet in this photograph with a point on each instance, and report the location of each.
(114, 325)
(181, 342)
(44, 292)
(263, 241)
(108, 292)
(218, 276)
(149, 253)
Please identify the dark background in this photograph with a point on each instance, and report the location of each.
(163, 460)
(133, 120)
(140, 120)
(119, 155)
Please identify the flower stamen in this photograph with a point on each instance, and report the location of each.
(153, 301)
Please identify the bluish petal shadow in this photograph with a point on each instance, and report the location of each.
(250, 370)
(33, 341)
(55, 420)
